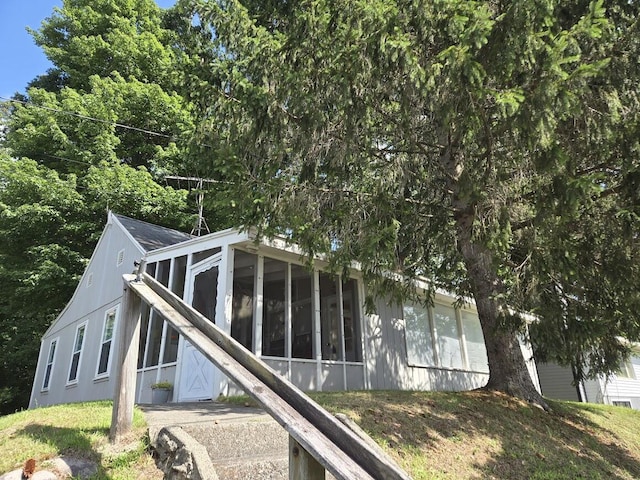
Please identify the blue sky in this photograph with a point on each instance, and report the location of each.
(21, 60)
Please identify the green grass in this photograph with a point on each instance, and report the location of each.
(80, 430)
(433, 435)
(482, 435)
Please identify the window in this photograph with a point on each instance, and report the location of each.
(434, 338)
(419, 338)
(49, 368)
(626, 370)
(284, 297)
(302, 313)
(104, 361)
(474, 342)
(340, 334)
(447, 336)
(622, 403)
(351, 316)
(273, 308)
(76, 355)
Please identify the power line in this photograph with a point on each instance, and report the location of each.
(87, 117)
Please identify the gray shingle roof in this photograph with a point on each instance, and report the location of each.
(150, 236)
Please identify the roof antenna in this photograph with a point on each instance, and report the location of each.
(200, 224)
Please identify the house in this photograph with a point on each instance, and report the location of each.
(306, 324)
(621, 389)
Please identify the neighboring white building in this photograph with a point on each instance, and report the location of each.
(307, 325)
(621, 389)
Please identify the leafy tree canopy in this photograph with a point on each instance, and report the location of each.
(489, 146)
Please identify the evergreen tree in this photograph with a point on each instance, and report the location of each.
(491, 147)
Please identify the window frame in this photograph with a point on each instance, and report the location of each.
(626, 370)
(51, 361)
(80, 351)
(435, 344)
(113, 310)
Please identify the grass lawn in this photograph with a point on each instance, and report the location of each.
(433, 435)
(482, 435)
(80, 430)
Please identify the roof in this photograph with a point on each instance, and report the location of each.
(150, 236)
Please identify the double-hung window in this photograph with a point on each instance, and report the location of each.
(49, 367)
(76, 355)
(104, 360)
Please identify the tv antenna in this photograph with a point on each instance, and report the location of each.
(201, 223)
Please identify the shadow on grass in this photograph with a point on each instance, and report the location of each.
(487, 435)
(71, 442)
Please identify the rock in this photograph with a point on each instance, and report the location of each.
(73, 467)
(13, 475)
(44, 475)
(39, 475)
(64, 467)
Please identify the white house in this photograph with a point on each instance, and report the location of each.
(621, 389)
(307, 325)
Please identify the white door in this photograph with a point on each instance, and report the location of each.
(198, 376)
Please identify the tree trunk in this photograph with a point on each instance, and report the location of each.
(508, 371)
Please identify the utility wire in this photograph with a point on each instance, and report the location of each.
(87, 117)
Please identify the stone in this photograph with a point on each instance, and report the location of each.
(73, 467)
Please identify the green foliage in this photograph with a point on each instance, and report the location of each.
(490, 147)
(48, 228)
(98, 131)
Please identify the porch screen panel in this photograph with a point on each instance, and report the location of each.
(446, 325)
(302, 312)
(273, 308)
(418, 335)
(330, 331)
(154, 338)
(172, 337)
(144, 332)
(351, 312)
(163, 272)
(474, 340)
(205, 293)
(244, 284)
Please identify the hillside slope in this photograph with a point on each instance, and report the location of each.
(436, 435)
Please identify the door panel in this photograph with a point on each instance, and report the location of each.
(198, 375)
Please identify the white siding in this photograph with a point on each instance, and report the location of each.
(386, 354)
(90, 304)
(618, 388)
(555, 382)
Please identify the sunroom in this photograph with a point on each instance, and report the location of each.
(305, 323)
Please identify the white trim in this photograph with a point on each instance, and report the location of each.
(288, 315)
(80, 352)
(56, 341)
(316, 327)
(258, 308)
(113, 310)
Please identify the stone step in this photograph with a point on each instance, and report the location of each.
(227, 441)
(250, 449)
(254, 469)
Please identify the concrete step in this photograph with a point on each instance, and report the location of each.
(249, 449)
(226, 441)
